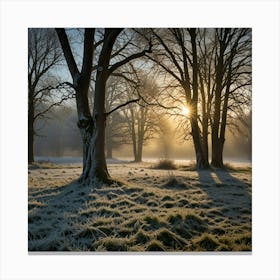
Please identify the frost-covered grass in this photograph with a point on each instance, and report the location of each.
(152, 210)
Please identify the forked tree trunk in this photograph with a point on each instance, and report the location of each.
(95, 166)
(93, 127)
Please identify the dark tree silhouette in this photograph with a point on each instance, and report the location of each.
(177, 55)
(213, 69)
(233, 75)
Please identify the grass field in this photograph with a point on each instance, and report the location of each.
(154, 209)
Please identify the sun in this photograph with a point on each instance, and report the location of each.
(185, 111)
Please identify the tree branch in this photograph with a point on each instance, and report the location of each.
(122, 105)
(88, 52)
(129, 58)
(165, 68)
(68, 53)
(121, 75)
(48, 88)
(40, 114)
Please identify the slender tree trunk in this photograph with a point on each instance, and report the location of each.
(221, 140)
(139, 150)
(134, 145)
(30, 130)
(204, 121)
(217, 140)
(205, 138)
(201, 161)
(133, 135)
(140, 137)
(217, 113)
(109, 140)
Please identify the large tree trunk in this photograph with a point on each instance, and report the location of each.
(95, 166)
(85, 122)
(217, 153)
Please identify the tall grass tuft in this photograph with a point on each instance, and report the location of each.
(166, 164)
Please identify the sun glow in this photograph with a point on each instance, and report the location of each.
(186, 111)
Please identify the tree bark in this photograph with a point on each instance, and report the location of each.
(93, 134)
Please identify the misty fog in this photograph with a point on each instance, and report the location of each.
(59, 136)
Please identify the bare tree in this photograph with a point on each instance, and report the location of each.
(178, 56)
(141, 118)
(213, 69)
(92, 126)
(44, 55)
(116, 134)
(233, 75)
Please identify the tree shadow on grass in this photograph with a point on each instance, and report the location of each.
(229, 194)
(53, 214)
